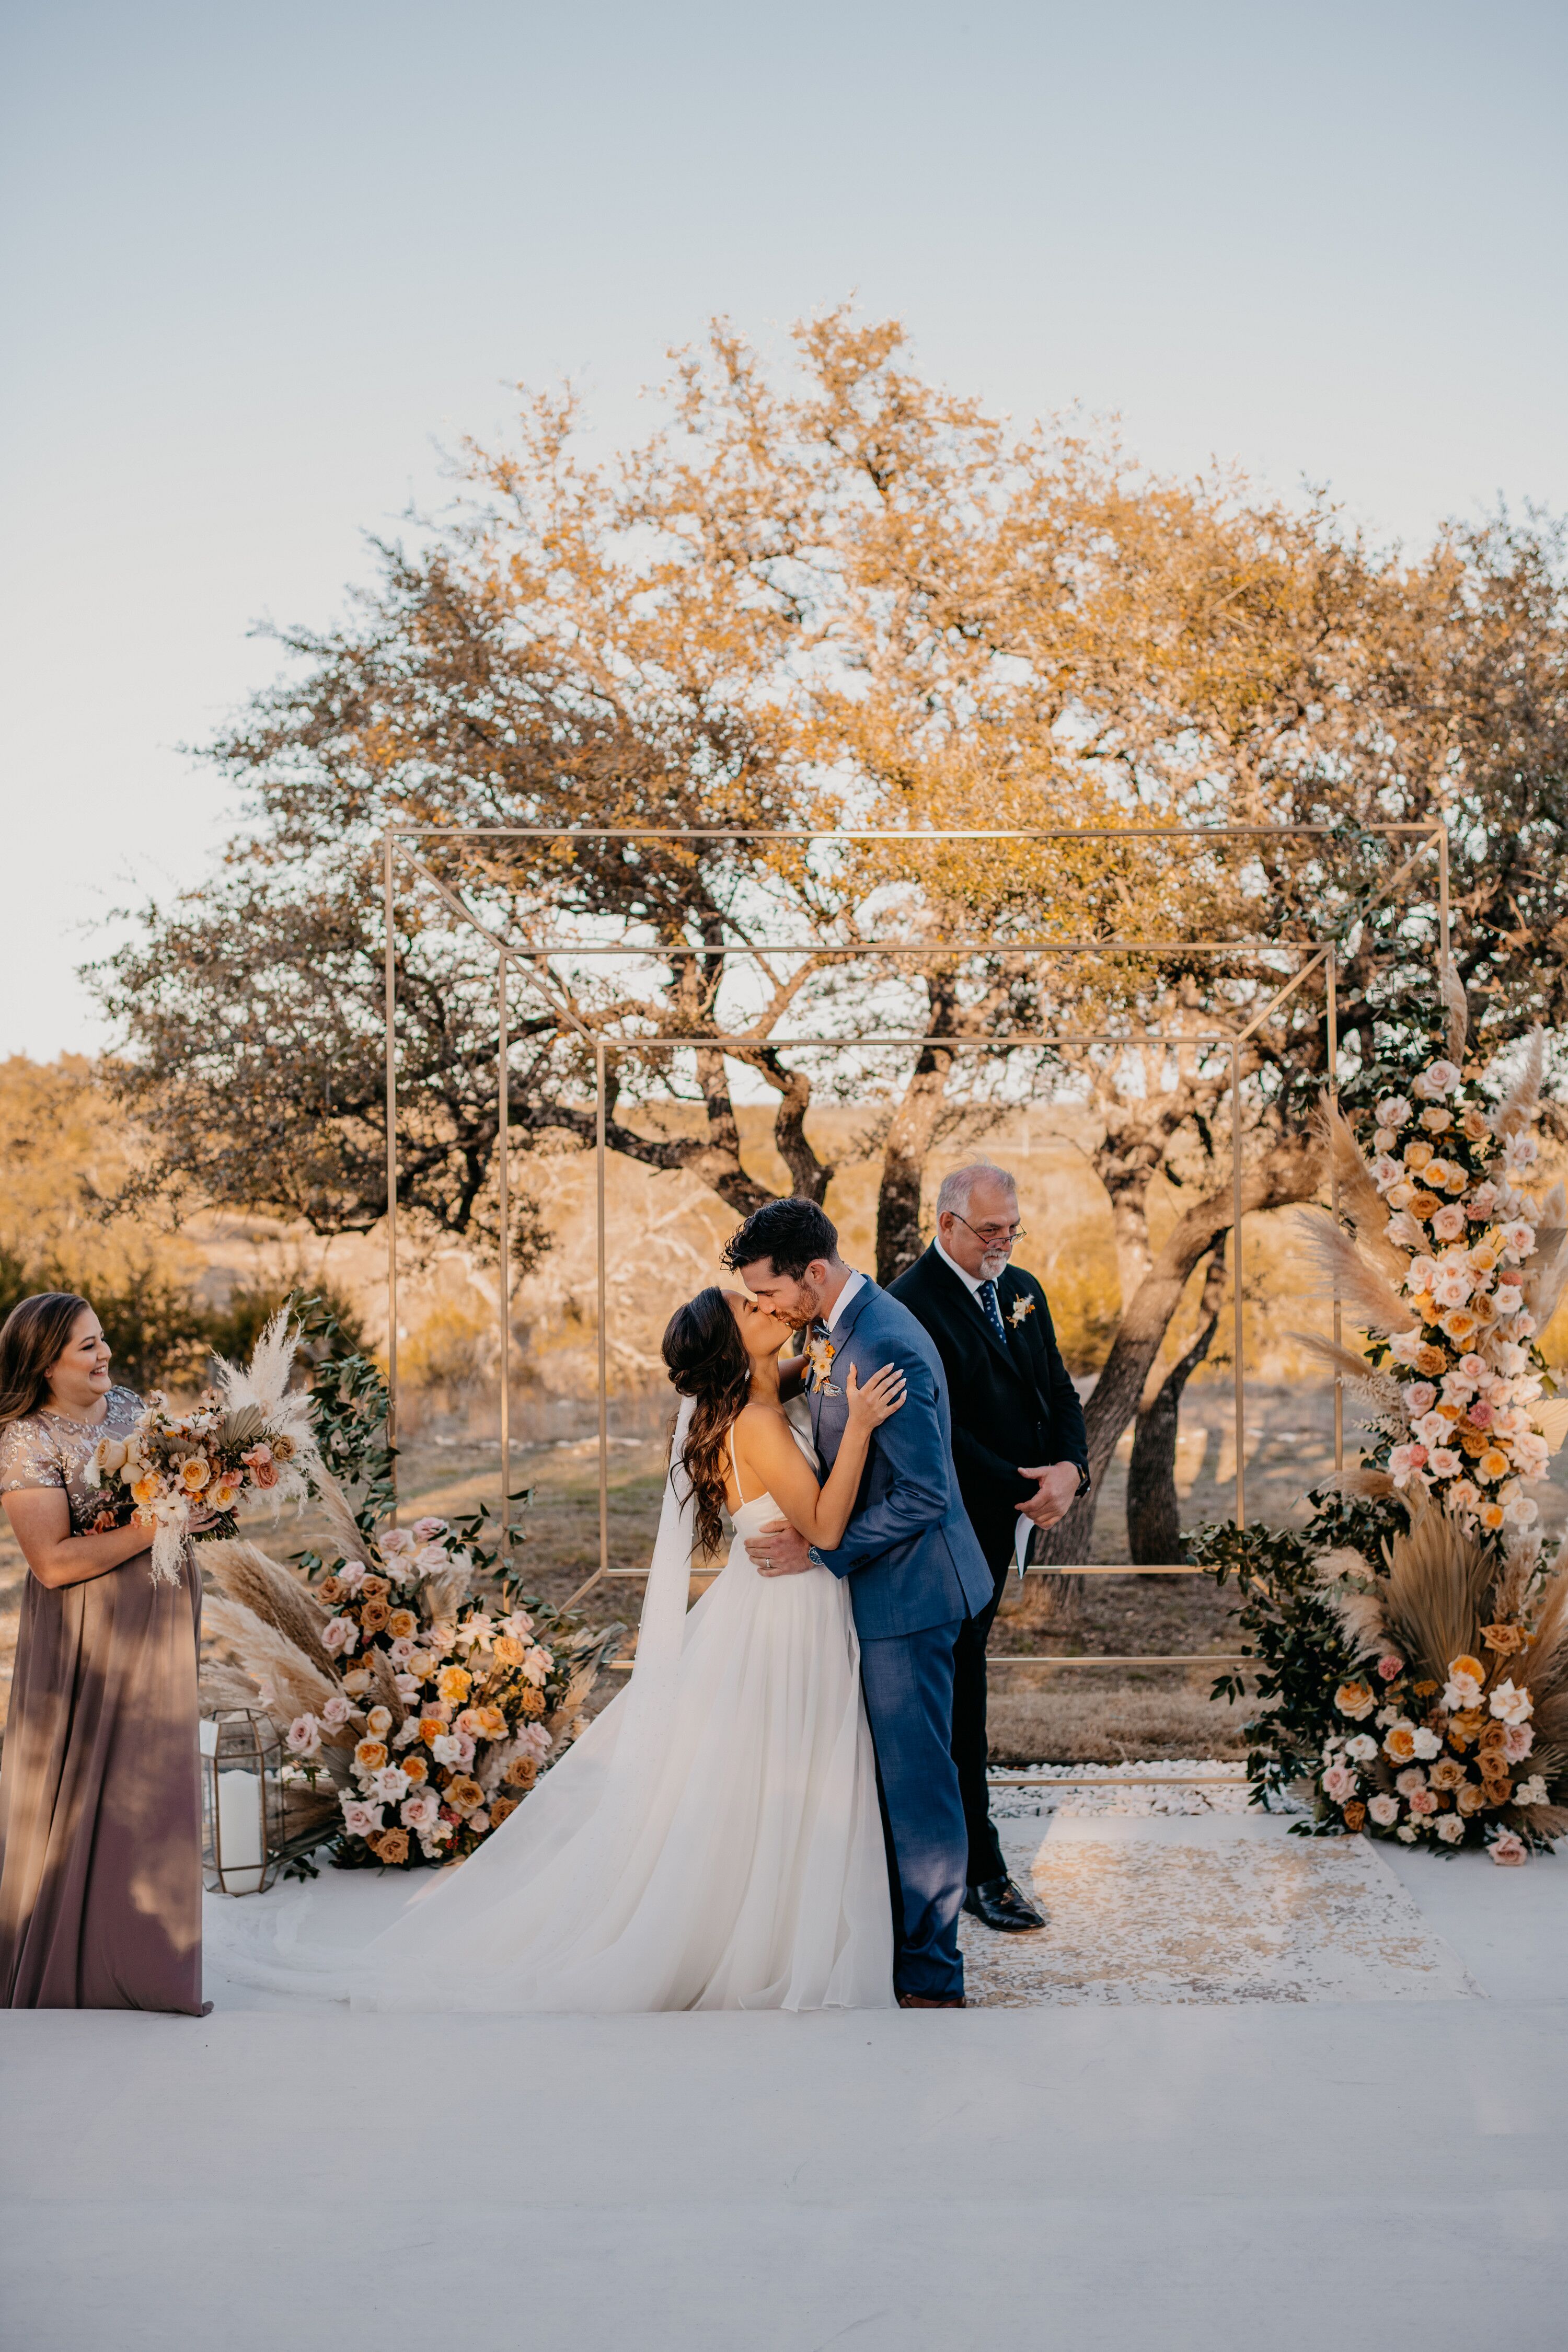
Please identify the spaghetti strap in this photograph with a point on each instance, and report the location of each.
(740, 1490)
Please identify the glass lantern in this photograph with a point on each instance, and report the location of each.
(244, 1842)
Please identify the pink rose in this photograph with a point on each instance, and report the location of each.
(1339, 1783)
(1423, 1801)
(1406, 1462)
(340, 1634)
(423, 1530)
(1418, 1397)
(1509, 1849)
(361, 1819)
(1390, 1668)
(1517, 1741)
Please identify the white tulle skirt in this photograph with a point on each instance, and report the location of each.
(712, 1840)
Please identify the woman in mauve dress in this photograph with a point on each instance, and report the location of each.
(100, 1878)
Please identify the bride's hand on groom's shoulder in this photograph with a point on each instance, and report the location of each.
(877, 1401)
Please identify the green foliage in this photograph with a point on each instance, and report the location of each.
(1302, 1654)
(350, 1401)
(335, 1328)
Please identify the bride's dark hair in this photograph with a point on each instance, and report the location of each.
(708, 1363)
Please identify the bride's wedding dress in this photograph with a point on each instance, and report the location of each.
(712, 1840)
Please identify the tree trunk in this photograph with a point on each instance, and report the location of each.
(909, 1138)
(1289, 1172)
(1154, 1516)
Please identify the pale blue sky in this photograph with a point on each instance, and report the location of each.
(258, 262)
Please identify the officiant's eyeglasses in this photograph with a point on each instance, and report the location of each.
(992, 1233)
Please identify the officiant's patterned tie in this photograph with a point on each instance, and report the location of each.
(992, 1311)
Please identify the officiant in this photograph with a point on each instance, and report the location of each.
(1019, 1447)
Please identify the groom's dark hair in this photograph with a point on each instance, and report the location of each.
(788, 1232)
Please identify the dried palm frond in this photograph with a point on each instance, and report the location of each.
(1513, 1113)
(1438, 1579)
(1512, 1586)
(1332, 1566)
(1341, 1271)
(1547, 1821)
(1359, 1198)
(1546, 1275)
(558, 1722)
(274, 1594)
(290, 1684)
(1544, 1666)
(1369, 1486)
(345, 1527)
(1373, 1388)
(225, 1686)
(1451, 989)
(445, 1592)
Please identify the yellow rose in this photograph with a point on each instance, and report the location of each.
(195, 1472)
(378, 1722)
(1466, 1664)
(369, 1756)
(453, 1685)
(1418, 1155)
(491, 1722)
(145, 1490)
(1399, 1742)
(431, 1727)
(417, 1767)
(1493, 1463)
(508, 1652)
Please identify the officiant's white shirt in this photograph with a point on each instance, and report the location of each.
(973, 1283)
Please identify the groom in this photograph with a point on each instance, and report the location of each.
(916, 1572)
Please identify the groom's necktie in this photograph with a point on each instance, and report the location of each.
(992, 1311)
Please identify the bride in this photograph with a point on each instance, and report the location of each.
(713, 1840)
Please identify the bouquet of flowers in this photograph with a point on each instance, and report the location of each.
(185, 1474)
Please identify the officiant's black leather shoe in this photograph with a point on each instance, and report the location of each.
(998, 1903)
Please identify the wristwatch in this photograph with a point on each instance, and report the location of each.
(814, 1557)
(1084, 1483)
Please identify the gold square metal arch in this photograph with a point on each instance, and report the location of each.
(532, 961)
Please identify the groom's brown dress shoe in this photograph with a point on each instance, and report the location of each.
(919, 2000)
(997, 1902)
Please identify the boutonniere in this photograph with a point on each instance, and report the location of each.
(820, 1355)
(1020, 1311)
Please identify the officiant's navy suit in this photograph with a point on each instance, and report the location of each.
(916, 1573)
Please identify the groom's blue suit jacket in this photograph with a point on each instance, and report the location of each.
(909, 1552)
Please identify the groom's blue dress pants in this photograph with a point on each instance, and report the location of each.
(908, 1683)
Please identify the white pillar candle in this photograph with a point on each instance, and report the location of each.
(239, 1848)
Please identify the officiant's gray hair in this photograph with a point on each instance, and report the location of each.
(958, 1187)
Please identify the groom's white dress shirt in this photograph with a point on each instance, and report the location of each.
(856, 1282)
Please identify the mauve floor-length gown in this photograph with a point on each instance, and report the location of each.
(101, 1878)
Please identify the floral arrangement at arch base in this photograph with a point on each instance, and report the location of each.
(420, 1713)
(1412, 1644)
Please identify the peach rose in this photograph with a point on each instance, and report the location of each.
(375, 1587)
(403, 1624)
(464, 1795)
(508, 1652)
(195, 1473)
(374, 1616)
(331, 1590)
(521, 1772)
(432, 1727)
(1354, 1816)
(1430, 1362)
(1418, 1155)
(416, 1768)
(531, 1701)
(453, 1685)
(1399, 1742)
(145, 1490)
(1471, 1798)
(369, 1756)
(391, 1846)
(502, 1809)
(378, 1722)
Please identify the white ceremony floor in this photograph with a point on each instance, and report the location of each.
(1249, 2093)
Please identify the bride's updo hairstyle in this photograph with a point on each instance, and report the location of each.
(708, 1363)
